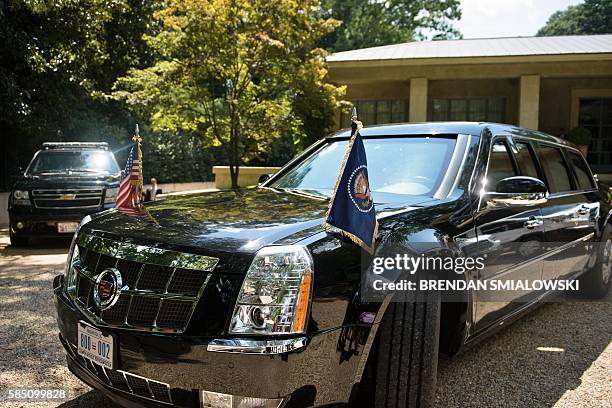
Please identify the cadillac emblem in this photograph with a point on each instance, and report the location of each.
(107, 288)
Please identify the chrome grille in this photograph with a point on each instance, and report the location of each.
(124, 381)
(68, 198)
(160, 288)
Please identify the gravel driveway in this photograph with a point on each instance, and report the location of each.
(560, 355)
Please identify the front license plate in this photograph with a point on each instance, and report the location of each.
(94, 345)
(63, 227)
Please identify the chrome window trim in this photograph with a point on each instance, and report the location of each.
(561, 146)
(252, 346)
(455, 167)
(571, 193)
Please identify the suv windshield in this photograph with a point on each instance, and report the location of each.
(396, 167)
(86, 161)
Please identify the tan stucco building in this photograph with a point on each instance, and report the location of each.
(548, 83)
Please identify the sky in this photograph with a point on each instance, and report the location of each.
(506, 18)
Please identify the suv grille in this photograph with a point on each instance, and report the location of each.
(68, 198)
(124, 381)
(154, 297)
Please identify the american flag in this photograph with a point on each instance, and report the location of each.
(130, 189)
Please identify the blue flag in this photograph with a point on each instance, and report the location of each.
(351, 209)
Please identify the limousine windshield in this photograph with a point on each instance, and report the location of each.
(396, 166)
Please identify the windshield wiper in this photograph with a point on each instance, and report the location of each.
(49, 173)
(85, 171)
(315, 193)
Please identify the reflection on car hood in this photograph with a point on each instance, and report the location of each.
(223, 221)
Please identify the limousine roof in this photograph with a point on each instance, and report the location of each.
(449, 128)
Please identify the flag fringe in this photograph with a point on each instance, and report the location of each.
(369, 249)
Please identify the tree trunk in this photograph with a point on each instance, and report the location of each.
(234, 169)
(233, 157)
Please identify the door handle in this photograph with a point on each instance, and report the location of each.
(584, 210)
(533, 222)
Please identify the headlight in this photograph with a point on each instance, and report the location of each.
(70, 274)
(74, 257)
(111, 195)
(275, 295)
(21, 197)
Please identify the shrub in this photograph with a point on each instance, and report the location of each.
(580, 136)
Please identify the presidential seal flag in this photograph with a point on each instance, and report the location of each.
(130, 188)
(351, 209)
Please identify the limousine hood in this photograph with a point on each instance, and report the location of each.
(223, 221)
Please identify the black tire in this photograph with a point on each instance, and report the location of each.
(595, 283)
(17, 241)
(406, 359)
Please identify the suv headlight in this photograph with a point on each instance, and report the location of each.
(21, 197)
(275, 295)
(111, 195)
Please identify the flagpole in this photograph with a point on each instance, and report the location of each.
(139, 184)
(331, 226)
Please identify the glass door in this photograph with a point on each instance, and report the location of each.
(596, 115)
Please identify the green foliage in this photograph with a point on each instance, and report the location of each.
(590, 17)
(370, 23)
(234, 72)
(580, 136)
(56, 56)
(241, 81)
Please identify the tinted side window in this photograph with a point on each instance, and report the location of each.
(500, 165)
(583, 177)
(525, 160)
(554, 169)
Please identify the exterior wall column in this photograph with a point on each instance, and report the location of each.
(529, 102)
(417, 104)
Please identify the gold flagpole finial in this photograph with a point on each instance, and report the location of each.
(356, 125)
(136, 136)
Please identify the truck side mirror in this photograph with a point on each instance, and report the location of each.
(263, 178)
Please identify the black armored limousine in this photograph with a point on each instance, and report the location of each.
(242, 299)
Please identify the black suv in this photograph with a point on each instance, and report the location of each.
(63, 183)
(242, 299)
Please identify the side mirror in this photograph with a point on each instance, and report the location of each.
(519, 191)
(263, 178)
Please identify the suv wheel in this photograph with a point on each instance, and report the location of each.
(17, 241)
(403, 368)
(596, 282)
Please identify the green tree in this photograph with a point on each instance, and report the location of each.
(56, 57)
(370, 23)
(233, 71)
(590, 17)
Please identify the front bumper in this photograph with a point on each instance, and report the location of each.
(39, 223)
(322, 372)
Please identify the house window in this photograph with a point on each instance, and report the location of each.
(470, 109)
(595, 114)
(376, 112)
